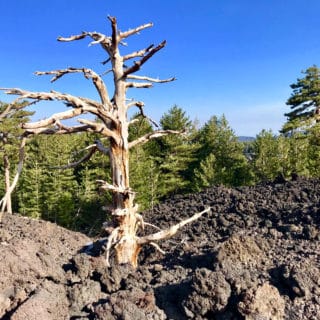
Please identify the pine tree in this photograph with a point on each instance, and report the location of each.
(30, 189)
(144, 173)
(304, 102)
(230, 166)
(205, 174)
(266, 156)
(299, 145)
(60, 187)
(175, 154)
(314, 151)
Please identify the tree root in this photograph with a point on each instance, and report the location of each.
(115, 239)
(167, 233)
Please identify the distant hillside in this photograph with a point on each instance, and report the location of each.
(245, 139)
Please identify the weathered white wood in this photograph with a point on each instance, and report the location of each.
(5, 202)
(114, 125)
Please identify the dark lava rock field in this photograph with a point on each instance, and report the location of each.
(255, 255)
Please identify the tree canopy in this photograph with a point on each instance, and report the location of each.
(304, 102)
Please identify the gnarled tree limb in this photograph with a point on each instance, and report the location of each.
(80, 104)
(88, 74)
(77, 163)
(138, 64)
(131, 76)
(131, 32)
(167, 233)
(152, 135)
(6, 197)
(136, 54)
(101, 128)
(107, 186)
(138, 85)
(57, 130)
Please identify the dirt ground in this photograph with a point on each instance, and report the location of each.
(254, 256)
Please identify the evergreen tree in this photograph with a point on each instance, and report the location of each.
(205, 174)
(299, 154)
(175, 154)
(314, 151)
(230, 166)
(144, 173)
(304, 102)
(90, 203)
(266, 156)
(30, 189)
(285, 155)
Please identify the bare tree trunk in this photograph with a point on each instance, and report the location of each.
(6, 162)
(5, 202)
(124, 212)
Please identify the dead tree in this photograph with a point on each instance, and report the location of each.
(9, 134)
(113, 124)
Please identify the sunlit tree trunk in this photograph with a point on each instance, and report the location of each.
(8, 207)
(112, 123)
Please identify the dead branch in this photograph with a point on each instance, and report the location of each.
(107, 186)
(76, 163)
(138, 64)
(82, 104)
(88, 74)
(98, 38)
(72, 38)
(102, 148)
(131, 32)
(97, 146)
(142, 223)
(57, 130)
(136, 54)
(53, 119)
(138, 85)
(140, 105)
(152, 135)
(114, 37)
(131, 76)
(6, 197)
(101, 128)
(11, 108)
(157, 247)
(167, 233)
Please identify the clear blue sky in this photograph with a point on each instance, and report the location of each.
(232, 57)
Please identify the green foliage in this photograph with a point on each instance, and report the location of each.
(173, 164)
(229, 166)
(205, 174)
(176, 153)
(10, 126)
(274, 155)
(266, 160)
(67, 197)
(314, 151)
(304, 101)
(10, 137)
(29, 191)
(144, 172)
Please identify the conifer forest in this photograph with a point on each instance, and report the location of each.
(203, 156)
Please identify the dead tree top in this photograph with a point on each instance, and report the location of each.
(104, 109)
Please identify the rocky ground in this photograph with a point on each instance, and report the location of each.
(254, 256)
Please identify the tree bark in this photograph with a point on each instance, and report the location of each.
(8, 203)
